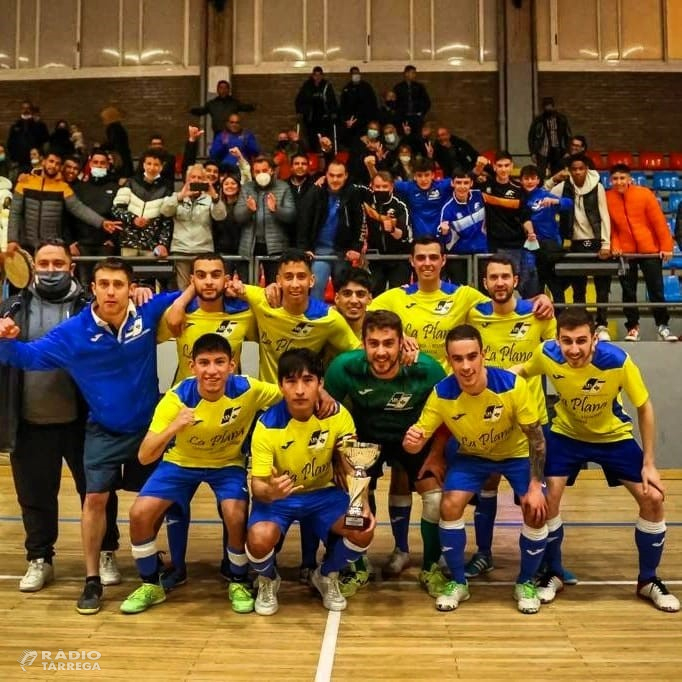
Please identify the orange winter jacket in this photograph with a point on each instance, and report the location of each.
(637, 222)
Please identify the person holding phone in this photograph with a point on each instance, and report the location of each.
(193, 209)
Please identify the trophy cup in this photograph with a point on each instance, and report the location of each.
(361, 456)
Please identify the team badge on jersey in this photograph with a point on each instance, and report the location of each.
(302, 329)
(226, 327)
(443, 307)
(135, 330)
(593, 385)
(230, 415)
(398, 401)
(318, 439)
(519, 330)
(493, 413)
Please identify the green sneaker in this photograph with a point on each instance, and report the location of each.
(453, 594)
(145, 596)
(350, 583)
(433, 581)
(241, 597)
(527, 598)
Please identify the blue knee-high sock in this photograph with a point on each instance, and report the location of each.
(484, 520)
(264, 565)
(309, 544)
(650, 539)
(453, 540)
(399, 510)
(177, 529)
(555, 538)
(343, 553)
(147, 560)
(239, 564)
(532, 542)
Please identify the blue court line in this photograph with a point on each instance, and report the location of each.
(502, 524)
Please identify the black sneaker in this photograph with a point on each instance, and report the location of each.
(90, 601)
(225, 572)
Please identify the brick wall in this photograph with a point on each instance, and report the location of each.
(151, 105)
(619, 111)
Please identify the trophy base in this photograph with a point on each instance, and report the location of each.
(356, 522)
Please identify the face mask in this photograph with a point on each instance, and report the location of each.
(263, 179)
(2, 158)
(390, 104)
(382, 197)
(53, 285)
(35, 162)
(390, 138)
(26, 117)
(282, 144)
(404, 158)
(98, 172)
(372, 134)
(355, 78)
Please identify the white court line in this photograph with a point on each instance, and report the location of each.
(325, 663)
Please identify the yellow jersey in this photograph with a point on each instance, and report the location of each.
(510, 340)
(429, 316)
(590, 407)
(215, 438)
(485, 425)
(303, 450)
(236, 322)
(318, 327)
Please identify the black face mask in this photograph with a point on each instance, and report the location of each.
(282, 144)
(53, 285)
(390, 104)
(382, 197)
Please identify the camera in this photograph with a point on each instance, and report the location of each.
(198, 186)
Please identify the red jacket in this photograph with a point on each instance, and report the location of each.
(637, 222)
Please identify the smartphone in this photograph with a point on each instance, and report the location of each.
(198, 186)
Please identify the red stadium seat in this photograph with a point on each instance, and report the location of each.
(491, 155)
(597, 159)
(652, 161)
(612, 158)
(179, 161)
(675, 161)
(342, 157)
(313, 162)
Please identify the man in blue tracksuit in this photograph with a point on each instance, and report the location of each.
(109, 349)
(540, 216)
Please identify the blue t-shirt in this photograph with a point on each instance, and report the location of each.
(327, 236)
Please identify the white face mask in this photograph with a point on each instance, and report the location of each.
(35, 162)
(390, 138)
(373, 134)
(98, 172)
(404, 158)
(26, 117)
(355, 78)
(263, 179)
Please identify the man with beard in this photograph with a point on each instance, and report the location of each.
(384, 398)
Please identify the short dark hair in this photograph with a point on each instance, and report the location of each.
(500, 260)
(422, 165)
(211, 162)
(354, 275)
(211, 343)
(318, 69)
(156, 136)
(464, 332)
(294, 256)
(58, 243)
(299, 155)
(263, 158)
(99, 151)
(113, 263)
(503, 155)
(582, 139)
(384, 175)
(208, 256)
(296, 361)
(579, 158)
(382, 319)
(151, 154)
(529, 171)
(53, 152)
(409, 67)
(461, 173)
(220, 82)
(354, 69)
(74, 159)
(426, 240)
(572, 318)
(620, 168)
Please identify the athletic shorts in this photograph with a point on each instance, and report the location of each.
(320, 509)
(469, 473)
(110, 460)
(178, 484)
(393, 454)
(621, 461)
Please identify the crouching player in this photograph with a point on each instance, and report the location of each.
(203, 422)
(295, 461)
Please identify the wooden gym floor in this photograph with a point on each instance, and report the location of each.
(596, 630)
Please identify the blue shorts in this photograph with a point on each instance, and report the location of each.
(469, 473)
(176, 483)
(321, 509)
(110, 460)
(621, 461)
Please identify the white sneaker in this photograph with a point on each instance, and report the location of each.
(664, 333)
(328, 587)
(266, 601)
(38, 574)
(527, 598)
(548, 587)
(657, 592)
(108, 569)
(632, 335)
(453, 594)
(602, 333)
(397, 562)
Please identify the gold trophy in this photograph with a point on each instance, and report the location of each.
(361, 456)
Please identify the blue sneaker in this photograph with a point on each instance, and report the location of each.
(567, 577)
(172, 578)
(479, 564)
